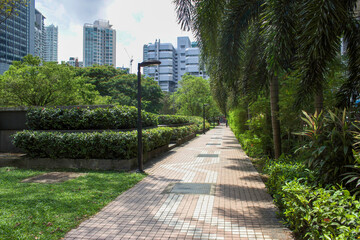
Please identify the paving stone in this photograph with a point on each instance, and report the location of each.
(239, 206)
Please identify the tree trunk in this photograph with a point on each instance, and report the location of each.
(319, 102)
(274, 103)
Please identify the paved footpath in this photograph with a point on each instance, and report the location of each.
(205, 189)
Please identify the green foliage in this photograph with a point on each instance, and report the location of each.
(181, 132)
(254, 134)
(318, 213)
(191, 96)
(119, 117)
(172, 119)
(283, 170)
(311, 212)
(330, 143)
(101, 145)
(99, 75)
(199, 121)
(32, 82)
(121, 88)
(49, 211)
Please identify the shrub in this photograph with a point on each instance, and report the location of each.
(199, 121)
(107, 145)
(181, 132)
(172, 119)
(119, 117)
(330, 142)
(283, 170)
(318, 213)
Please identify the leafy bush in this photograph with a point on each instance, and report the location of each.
(318, 213)
(181, 132)
(122, 145)
(330, 143)
(199, 121)
(172, 119)
(283, 170)
(120, 117)
(312, 212)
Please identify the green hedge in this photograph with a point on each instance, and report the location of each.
(181, 132)
(311, 211)
(119, 117)
(172, 119)
(105, 145)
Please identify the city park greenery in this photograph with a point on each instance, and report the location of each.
(291, 99)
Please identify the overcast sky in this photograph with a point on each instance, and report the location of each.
(136, 22)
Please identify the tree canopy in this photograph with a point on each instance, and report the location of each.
(32, 82)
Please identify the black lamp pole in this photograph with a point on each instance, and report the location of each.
(139, 121)
(204, 117)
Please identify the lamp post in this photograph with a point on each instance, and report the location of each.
(204, 116)
(139, 122)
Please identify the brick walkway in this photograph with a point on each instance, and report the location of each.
(234, 203)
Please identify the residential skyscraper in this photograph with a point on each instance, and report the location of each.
(51, 44)
(17, 36)
(39, 35)
(174, 62)
(99, 44)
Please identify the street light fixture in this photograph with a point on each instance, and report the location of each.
(204, 116)
(139, 122)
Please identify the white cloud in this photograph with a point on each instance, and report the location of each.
(137, 22)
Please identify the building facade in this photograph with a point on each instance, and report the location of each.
(99, 44)
(51, 44)
(174, 62)
(74, 61)
(39, 35)
(17, 36)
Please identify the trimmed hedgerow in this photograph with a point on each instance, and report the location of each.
(104, 145)
(181, 132)
(172, 119)
(119, 117)
(311, 211)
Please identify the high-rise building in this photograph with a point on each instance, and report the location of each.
(174, 62)
(74, 61)
(17, 35)
(165, 73)
(99, 44)
(39, 35)
(51, 44)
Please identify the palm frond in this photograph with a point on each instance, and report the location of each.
(238, 16)
(320, 27)
(184, 10)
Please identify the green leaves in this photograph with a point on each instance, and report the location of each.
(330, 142)
(100, 145)
(119, 117)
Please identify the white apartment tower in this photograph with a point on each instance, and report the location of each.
(174, 62)
(99, 44)
(51, 44)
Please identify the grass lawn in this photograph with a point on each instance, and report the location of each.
(49, 211)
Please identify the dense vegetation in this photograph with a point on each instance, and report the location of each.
(278, 73)
(118, 117)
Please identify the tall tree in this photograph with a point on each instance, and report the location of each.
(32, 82)
(192, 94)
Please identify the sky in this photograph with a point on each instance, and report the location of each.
(137, 22)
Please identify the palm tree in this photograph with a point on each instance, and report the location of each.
(222, 28)
(322, 23)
